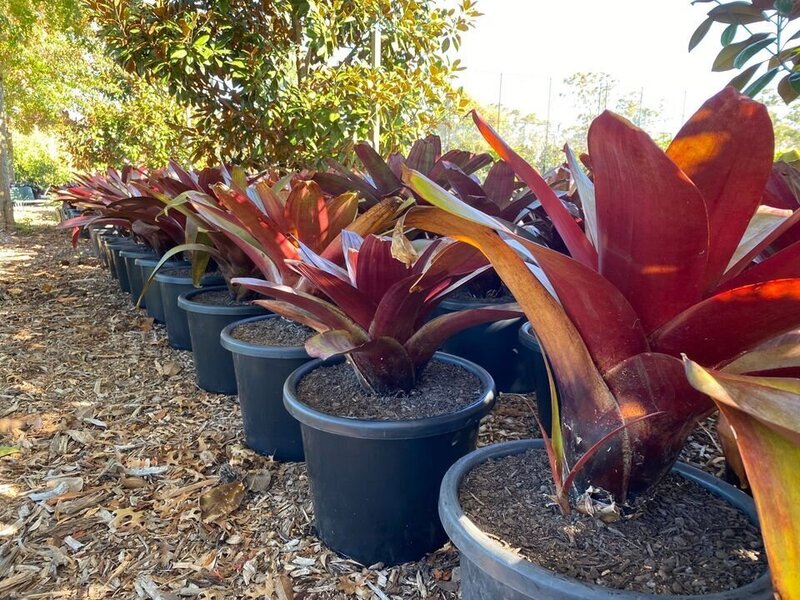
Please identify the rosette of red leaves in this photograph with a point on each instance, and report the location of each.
(377, 305)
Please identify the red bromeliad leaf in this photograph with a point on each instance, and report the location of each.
(384, 366)
(382, 176)
(708, 330)
(377, 219)
(589, 409)
(352, 301)
(610, 328)
(646, 384)
(337, 184)
(499, 183)
(726, 149)
(780, 227)
(323, 311)
(765, 414)
(608, 324)
(377, 270)
(398, 313)
(267, 258)
(333, 342)
(783, 265)
(430, 337)
(423, 153)
(779, 357)
(341, 212)
(576, 241)
(651, 219)
(470, 191)
(464, 160)
(273, 206)
(306, 212)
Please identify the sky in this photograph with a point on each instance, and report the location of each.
(641, 43)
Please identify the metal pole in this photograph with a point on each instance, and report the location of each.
(639, 110)
(547, 125)
(376, 64)
(499, 102)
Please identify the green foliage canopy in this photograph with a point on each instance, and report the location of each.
(288, 81)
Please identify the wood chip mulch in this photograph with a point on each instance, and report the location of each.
(125, 480)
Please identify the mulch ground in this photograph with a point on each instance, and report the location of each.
(127, 481)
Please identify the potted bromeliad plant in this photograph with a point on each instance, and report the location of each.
(665, 267)
(383, 415)
(267, 348)
(492, 346)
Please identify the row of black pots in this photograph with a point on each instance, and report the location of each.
(387, 491)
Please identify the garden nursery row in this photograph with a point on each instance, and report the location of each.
(367, 318)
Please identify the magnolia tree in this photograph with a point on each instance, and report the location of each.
(288, 82)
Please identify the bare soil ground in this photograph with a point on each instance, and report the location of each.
(124, 480)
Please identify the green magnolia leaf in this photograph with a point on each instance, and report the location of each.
(760, 83)
(751, 51)
(728, 34)
(726, 57)
(736, 12)
(787, 90)
(179, 53)
(700, 33)
(743, 78)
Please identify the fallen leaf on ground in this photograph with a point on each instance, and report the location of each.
(6, 450)
(221, 501)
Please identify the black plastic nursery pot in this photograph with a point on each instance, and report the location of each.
(493, 346)
(135, 272)
(105, 251)
(114, 248)
(489, 570)
(535, 372)
(171, 286)
(261, 372)
(152, 296)
(213, 364)
(95, 231)
(375, 484)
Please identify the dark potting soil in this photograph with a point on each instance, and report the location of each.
(681, 540)
(463, 294)
(443, 388)
(218, 298)
(273, 332)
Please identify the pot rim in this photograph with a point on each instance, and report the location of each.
(516, 572)
(137, 253)
(123, 242)
(528, 339)
(238, 346)
(163, 275)
(463, 304)
(186, 302)
(390, 429)
(152, 262)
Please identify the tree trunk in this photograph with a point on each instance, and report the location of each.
(6, 204)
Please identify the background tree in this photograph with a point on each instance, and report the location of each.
(761, 35)
(19, 19)
(288, 82)
(67, 105)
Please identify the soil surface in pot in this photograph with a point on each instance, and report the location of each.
(218, 298)
(272, 332)
(443, 388)
(681, 540)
